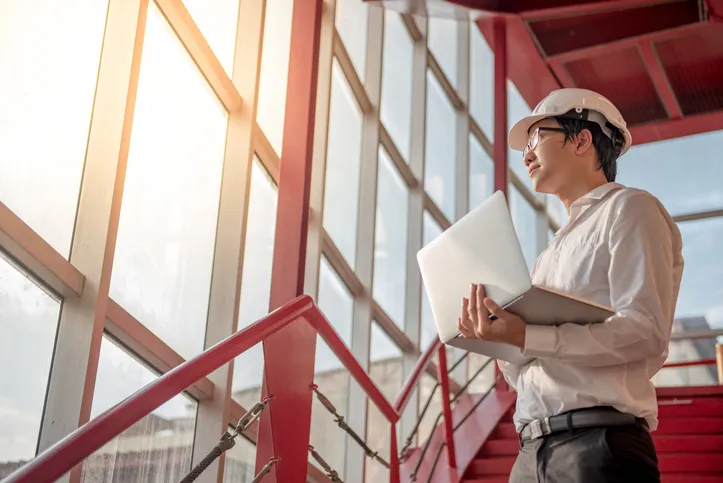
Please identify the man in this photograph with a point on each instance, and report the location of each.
(585, 404)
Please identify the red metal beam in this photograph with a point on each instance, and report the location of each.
(623, 44)
(576, 9)
(284, 429)
(446, 408)
(560, 71)
(499, 146)
(687, 126)
(660, 80)
(60, 458)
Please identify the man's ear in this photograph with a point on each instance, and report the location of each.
(584, 142)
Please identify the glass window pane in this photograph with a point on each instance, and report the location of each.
(28, 324)
(440, 147)
(217, 20)
(48, 72)
(248, 368)
(156, 448)
(386, 371)
(274, 70)
(343, 162)
(240, 466)
(697, 184)
(390, 240)
(426, 386)
(482, 81)
(524, 217)
(430, 231)
(481, 173)
(701, 291)
(396, 101)
(687, 351)
(166, 235)
(483, 381)
(517, 108)
(443, 43)
(352, 19)
(332, 378)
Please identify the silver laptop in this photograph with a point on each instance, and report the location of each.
(483, 248)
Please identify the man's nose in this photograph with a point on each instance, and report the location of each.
(529, 157)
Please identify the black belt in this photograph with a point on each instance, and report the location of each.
(578, 419)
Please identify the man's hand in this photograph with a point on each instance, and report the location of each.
(476, 324)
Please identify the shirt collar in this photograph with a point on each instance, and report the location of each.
(581, 204)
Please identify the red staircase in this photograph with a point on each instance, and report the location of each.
(689, 440)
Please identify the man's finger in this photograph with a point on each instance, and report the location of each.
(472, 307)
(494, 309)
(465, 331)
(482, 314)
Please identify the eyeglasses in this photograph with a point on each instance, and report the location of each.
(534, 138)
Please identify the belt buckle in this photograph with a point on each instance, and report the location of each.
(535, 429)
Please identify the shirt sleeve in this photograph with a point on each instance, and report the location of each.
(642, 291)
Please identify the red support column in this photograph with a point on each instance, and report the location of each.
(446, 408)
(499, 146)
(289, 354)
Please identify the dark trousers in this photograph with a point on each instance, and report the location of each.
(613, 454)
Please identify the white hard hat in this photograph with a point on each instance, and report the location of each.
(575, 104)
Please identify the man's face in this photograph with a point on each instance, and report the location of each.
(551, 164)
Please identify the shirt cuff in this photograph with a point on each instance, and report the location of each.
(540, 341)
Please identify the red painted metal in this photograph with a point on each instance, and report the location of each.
(660, 80)
(499, 146)
(573, 33)
(337, 346)
(394, 476)
(689, 125)
(628, 86)
(688, 391)
(704, 362)
(287, 437)
(411, 381)
(80, 444)
(575, 8)
(446, 409)
(562, 74)
(616, 45)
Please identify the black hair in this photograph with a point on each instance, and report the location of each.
(607, 149)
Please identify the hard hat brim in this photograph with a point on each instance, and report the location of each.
(519, 134)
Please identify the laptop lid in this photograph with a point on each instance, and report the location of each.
(482, 247)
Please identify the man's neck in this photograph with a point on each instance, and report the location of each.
(577, 190)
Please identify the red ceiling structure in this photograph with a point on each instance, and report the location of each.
(659, 61)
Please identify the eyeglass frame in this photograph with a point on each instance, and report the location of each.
(536, 137)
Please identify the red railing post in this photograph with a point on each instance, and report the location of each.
(289, 355)
(393, 454)
(499, 145)
(446, 408)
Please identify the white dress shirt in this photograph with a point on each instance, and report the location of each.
(621, 249)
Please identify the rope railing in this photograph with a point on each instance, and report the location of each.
(332, 474)
(339, 420)
(408, 442)
(228, 441)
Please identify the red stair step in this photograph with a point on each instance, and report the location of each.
(700, 407)
(505, 431)
(688, 443)
(702, 425)
(499, 465)
(487, 479)
(691, 477)
(500, 447)
(690, 462)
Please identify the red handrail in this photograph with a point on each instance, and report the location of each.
(67, 453)
(703, 362)
(411, 381)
